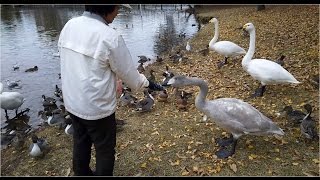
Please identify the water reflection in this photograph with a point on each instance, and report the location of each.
(29, 36)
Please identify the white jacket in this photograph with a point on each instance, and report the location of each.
(92, 54)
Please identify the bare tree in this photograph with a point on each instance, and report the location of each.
(261, 7)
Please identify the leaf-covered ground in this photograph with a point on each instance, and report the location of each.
(169, 142)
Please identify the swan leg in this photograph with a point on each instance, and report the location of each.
(225, 60)
(220, 64)
(6, 114)
(224, 152)
(259, 91)
(225, 141)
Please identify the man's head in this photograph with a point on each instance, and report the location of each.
(108, 12)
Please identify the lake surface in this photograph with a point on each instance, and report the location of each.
(29, 36)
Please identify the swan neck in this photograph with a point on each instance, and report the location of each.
(247, 58)
(216, 34)
(201, 97)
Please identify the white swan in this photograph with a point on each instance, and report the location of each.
(263, 70)
(225, 48)
(233, 115)
(10, 100)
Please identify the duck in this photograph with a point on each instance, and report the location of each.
(182, 101)
(225, 48)
(159, 59)
(50, 100)
(58, 93)
(176, 57)
(233, 115)
(13, 84)
(38, 146)
(188, 47)
(10, 100)
(15, 66)
(35, 68)
(19, 140)
(167, 75)
(140, 68)
(308, 125)
(281, 60)
(263, 70)
(163, 96)
(145, 104)
(293, 116)
(204, 51)
(58, 117)
(143, 59)
(152, 77)
(69, 128)
(127, 99)
(314, 80)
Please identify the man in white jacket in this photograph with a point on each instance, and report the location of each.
(92, 55)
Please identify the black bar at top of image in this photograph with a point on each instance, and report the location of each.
(253, 2)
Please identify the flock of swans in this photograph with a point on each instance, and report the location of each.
(233, 115)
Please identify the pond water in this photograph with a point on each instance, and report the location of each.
(29, 36)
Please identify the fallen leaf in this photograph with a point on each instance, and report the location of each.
(233, 167)
(144, 165)
(311, 173)
(68, 171)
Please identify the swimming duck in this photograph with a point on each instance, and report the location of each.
(10, 100)
(234, 115)
(48, 99)
(143, 59)
(281, 60)
(13, 84)
(140, 68)
(145, 104)
(293, 116)
(69, 128)
(263, 70)
(308, 125)
(35, 68)
(38, 146)
(225, 48)
(163, 96)
(15, 67)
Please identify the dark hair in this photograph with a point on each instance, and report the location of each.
(100, 9)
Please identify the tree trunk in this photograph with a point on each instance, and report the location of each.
(261, 7)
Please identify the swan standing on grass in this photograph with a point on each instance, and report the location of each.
(233, 115)
(263, 70)
(10, 100)
(225, 48)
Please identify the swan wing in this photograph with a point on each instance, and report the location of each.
(228, 48)
(269, 72)
(238, 116)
